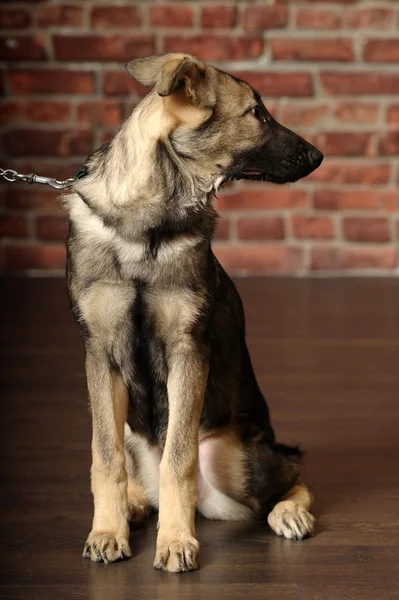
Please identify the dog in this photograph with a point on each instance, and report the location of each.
(179, 422)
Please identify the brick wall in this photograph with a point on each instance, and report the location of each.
(329, 69)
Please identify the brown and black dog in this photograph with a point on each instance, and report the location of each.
(179, 422)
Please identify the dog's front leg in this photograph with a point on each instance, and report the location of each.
(177, 548)
(109, 538)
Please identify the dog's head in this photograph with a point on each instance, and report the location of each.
(220, 123)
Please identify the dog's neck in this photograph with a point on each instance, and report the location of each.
(141, 174)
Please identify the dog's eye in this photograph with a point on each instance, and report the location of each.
(258, 113)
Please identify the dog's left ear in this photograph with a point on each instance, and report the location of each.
(172, 73)
(187, 75)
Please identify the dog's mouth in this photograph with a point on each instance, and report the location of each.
(257, 175)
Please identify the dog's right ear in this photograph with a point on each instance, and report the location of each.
(170, 73)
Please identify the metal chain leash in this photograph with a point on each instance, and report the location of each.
(11, 175)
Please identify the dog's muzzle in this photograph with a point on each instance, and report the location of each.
(284, 157)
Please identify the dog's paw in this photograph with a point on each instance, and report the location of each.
(138, 513)
(291, 520)
(177, 556)
(105, 546)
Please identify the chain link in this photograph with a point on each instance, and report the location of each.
(11, 175)
(8, 174)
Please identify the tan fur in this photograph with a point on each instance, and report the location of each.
(226, 457)
(290, 516)
(176, 106)
(148, 71)
(142, 463)
(138, 503)
(109, 538)
(104, 308)
(175, 312)
(177, 548)
(223, 478)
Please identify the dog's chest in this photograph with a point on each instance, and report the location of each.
(117, 314)
(156, 256)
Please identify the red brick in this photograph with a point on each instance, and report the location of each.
(10, 112)
(171, 16)
(14, 226)
(223, 229)
(119, 83)
(50, 81)
(334, 143)
(365, 229)
(360, 83)
(48, 142)
(317, 18)
(356, 112)
(267, 198)
(259, 18)
(309, 227)
(59, 16)
(33, 256)
(337, 259)
(385, 200)
(393, 114)
(14, 18)
(100, 112)
(326, 49)
(271, 228)
(34, 110)
(382, 51)
(348, 172)
(278, 84)
(103, 48)
(259, 259)
(22, 47)
(388, 143)
(218, 16)
(29, 198)
(52, 228)
(216, 47)
(369, 18)
(306, 114)
(115, 16)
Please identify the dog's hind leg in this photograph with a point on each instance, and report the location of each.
(291, 517)
(109, 538)
(138, 503)
(138, 498)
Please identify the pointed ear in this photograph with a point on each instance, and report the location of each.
(147, 70)
(187, 75)
(170, 73)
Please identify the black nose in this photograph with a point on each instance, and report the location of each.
(316, 157)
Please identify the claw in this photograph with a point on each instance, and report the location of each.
(106, 547)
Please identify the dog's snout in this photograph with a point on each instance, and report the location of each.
(316, 157)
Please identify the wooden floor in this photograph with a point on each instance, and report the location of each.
(326, 353)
